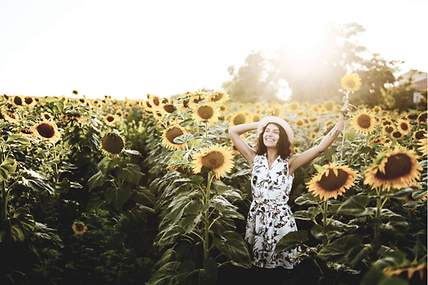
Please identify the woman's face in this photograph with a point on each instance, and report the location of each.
(271, 135)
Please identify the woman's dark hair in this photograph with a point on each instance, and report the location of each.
(284, 145)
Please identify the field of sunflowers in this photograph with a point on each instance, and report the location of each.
(151, 191)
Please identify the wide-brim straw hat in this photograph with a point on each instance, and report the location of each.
(273, 119)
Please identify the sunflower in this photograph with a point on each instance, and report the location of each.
(351, 82)
(147, 106)
(79, 228)
(112, 143)
(46, 116)
(388, 129)
(170, 134)
(154, 100)
(205, 113)
(29, 101)
(218, 159)
(111, 119)
(331, 181)
(8, 116)
(218, 97)
(168, 107)
(395, 168)
(422, 118)
(397, 134)
(47, 130)
(363, 122)
(412, 116)
(423, 146)
(238, 118)
(17, 101)
(419, 134)
(403, 126)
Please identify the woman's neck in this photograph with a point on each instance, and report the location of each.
(272, 153)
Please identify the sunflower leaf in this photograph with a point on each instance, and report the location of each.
(291, 240)
(354, 206)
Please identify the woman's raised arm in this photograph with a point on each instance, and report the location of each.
(239, 143)
(307, 156)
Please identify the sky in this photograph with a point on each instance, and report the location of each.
(131, 48)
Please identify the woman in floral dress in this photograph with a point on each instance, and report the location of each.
(273, 165)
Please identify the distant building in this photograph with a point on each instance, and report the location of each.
(418, 78)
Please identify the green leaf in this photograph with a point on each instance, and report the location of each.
(184, 138)
(96, 180)
(339, 246)
(232, 245)
(291, 240)
(354, 206)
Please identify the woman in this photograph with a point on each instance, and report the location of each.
(273, 165)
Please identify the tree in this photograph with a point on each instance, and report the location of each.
(253, 81)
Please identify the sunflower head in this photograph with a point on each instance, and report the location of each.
(169, 134)
(205, 113)
(351, 82)
(217, 159)
(394, 168)
(218, 97)
(112, 143)
(332, 180)
(17, 101)
(363, 122)
(47, 130)
(111, 119)
(404, 126)
(423, 145)
(238, 118)
(79, 228)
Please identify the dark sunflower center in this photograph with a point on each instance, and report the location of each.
(422, 118)
(239, 119)
(79, 227)
(364, 121)
(82, 100)
(46, 130)
(112, 143)
(26, 131)
(213, 160)
(169, 108)
(110, 119)
(397, 134)
(47, 116)
(185, 103)
(205, 112)
(331, 182)
(412, 116)
(396, 166)
(389, 129)
(28, 100)
(17, 100)
(148, 105)
(404, 126)
(217, 97)
(156, 101)
(419, 135)
(172, 133)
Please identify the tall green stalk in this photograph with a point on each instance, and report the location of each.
(206, 200)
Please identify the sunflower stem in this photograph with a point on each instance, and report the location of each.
(205, 242)
(4, 202)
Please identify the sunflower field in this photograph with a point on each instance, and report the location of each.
(151, 191)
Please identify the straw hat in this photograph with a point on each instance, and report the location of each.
(273, 119)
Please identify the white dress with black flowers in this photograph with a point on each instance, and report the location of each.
(270, 218)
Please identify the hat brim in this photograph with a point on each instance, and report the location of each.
(273, 119)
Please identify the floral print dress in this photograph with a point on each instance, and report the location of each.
(270, 218)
